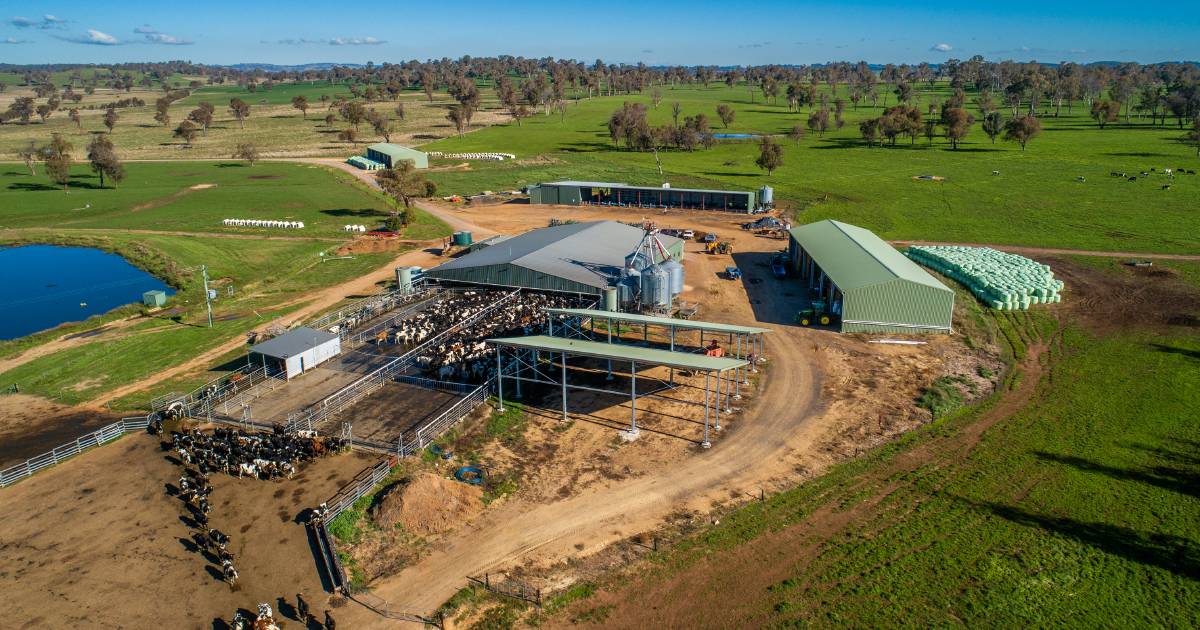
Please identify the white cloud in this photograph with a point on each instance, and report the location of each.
(13, 40)
(48, 22)
(167, 40)
(93, 37)
(145, 29)
(355, 41)
(941, 48)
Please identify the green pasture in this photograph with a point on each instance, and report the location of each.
(160, 196)
(1036, 199)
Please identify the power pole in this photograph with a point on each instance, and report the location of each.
(207, 301)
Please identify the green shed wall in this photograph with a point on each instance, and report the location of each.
(883, 307)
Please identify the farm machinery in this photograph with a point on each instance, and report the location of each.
(816, 313)
(719, 247)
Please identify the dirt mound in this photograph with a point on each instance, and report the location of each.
(428, 504)
(1120, 298)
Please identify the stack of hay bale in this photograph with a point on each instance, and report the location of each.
(1003, 281)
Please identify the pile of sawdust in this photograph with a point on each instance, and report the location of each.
(428, 504)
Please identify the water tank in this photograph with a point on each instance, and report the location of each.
(610, 299)
(674, 276)
(766, 196)
(656, 287)
(404, 279)
(462, 239)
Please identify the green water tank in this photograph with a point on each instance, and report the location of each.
(462, 239)
(154, 299)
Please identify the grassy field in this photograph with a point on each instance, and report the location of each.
(158, 221)
(274, 126)
(1035, 200)
(195, 197)
(1079, 509)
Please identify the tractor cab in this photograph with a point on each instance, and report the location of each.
(816, 314)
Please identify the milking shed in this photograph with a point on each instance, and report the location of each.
(295, 351)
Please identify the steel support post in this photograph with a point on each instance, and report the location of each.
(672, 350)
(633, 430)
(610, 376)
(717, 406)
(500, 378)
(707, 383)
(564, 385)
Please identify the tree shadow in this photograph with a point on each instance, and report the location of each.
(1144, 154)
(1191, 354)
(1165, 477)
(728, 174)
(350, 212)
(33, 187)
(231, 165)
(1166, 551)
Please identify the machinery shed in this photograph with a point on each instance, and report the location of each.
(296, 351)
(866, 282)
(575, 193)
(389, 155)
(581, 258)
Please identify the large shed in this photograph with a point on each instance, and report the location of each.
(296, 351)
(582, 258)
(575, 193)
(870, 285)
(390, 154)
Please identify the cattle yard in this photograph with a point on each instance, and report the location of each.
(412, 366)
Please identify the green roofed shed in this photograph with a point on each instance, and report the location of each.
(390, 154)
(870, 285)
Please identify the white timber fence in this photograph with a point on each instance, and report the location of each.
(80, 444)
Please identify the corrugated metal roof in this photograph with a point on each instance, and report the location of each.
(589, 253)
(392, 149)
(685, 324)
(572, 182)
(618, 352)
(293, 342)
(655, 188)
(855, 257)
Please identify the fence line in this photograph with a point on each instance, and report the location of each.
(352, 393)
(509, 587)
(66, 451)
(367, 305)
(412, 305)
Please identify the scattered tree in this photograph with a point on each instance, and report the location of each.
(202, 116)
(726, 114)
(1022, 129)
(110, 118)
(400, 111)
(58, 160)
(676, 110)
(818, 121)
(240, 111)
(186, 131)
(770, 155)
(73, 114)
(870, 130)
(330, 119)
(381, 124)
(300, 102)
(348, 135)
(656, 96)
(993, 124)
(458, 117)
(246, 151)
(796, 134)
(957, 123)
(43, 111)
(1193, 135)
(104, 160)
(1104, 112)
(30, 156)
(403, 182)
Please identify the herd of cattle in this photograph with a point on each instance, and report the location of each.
(237, 453)
(462, 354)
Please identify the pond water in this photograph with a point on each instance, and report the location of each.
(733, 136)
(46, 285)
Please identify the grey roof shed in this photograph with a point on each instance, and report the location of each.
(572, 258)
(293, 342)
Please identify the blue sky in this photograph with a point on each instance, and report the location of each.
(655, 32)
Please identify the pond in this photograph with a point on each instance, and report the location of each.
(46, 285)
(734, 136)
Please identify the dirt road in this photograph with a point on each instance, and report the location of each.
(1050, 251)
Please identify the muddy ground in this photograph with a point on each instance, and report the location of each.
(97, 542)
(31, 426)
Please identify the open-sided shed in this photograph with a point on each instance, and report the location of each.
(866, 282)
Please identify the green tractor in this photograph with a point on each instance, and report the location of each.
(817, 313)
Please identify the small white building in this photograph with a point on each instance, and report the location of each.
(296, 351)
